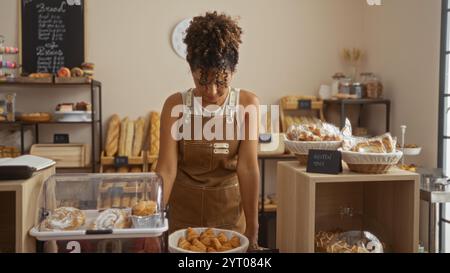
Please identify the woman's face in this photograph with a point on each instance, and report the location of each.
(215, 88)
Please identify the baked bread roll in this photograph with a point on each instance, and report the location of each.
(135, 170)
(129, 138)
(144, 208)
(122, 170)
(134, 200)
(139, 128)
(153, 134)
(112, 137)
(64, 218)
(123, 136)
(112, 219)
(125, 203)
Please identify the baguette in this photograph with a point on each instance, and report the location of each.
(123, 135)
(112, 138)
(153, 134)
(129, 138)
(138, 136)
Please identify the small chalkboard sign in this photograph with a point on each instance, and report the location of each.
(61, 139)
(120, 161)
(304, 104)
(265, 138)
(327, 162)
(53, 34)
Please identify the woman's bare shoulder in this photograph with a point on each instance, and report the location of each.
(174, 99)
(248, 98)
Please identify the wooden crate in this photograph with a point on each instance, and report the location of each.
(289, 107)
(386, 205)
(107, 162)
(65, 155)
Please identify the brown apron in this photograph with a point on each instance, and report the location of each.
(206, 189)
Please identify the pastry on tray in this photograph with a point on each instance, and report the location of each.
(144, 208)
(64, 218)
(35, 117)
(112, 219)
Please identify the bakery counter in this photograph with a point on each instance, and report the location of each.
(19, 211)
(311, 205)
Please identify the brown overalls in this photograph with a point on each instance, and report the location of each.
(206, 189)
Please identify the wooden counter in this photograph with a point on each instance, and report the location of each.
(386, 205)
(19, 211)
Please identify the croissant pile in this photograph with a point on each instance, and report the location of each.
(207, 241)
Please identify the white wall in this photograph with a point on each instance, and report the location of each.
(402, 39)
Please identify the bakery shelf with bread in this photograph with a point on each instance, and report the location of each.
(43, 121)
(100, 207)
(130, 138)
(298, 110)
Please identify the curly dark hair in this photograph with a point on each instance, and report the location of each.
(213, 45)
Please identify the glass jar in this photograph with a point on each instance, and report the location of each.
(335, 85)
(345, 86)
(374, 88)
(357, 90)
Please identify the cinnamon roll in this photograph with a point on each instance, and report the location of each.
(64, 218)
(112, 219)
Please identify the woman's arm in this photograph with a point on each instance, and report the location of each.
(248, 169)
(168, 149)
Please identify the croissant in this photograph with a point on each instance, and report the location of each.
(191, 234)
(235, 242)
(216, 244)
(199, 245)
(222, 238)
(184, 244)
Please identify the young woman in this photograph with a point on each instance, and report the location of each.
(211, 181)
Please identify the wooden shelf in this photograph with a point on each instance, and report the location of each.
(47, 122)
(49, 84)
(269, 208)
(386, 205)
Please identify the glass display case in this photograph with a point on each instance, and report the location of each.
(102, 213)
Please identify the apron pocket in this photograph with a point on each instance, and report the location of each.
(185, 205)
(197, 157)
(222, 206)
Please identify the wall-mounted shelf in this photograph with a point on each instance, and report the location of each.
(96, 123)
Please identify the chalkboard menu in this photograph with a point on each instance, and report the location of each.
(52, 35)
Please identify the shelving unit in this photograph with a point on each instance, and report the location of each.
(387, 205)
(96, 123)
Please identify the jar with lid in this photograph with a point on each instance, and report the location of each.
(335, 85)
(357, 90)
(345, 86)
(373, 86)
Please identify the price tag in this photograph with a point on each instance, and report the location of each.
(327, 162)
(120, 161)
(304, 104)
(61, 139)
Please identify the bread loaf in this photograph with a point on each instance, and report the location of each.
(138, 136)
(112, 137)
(129, 138)
(123, 136)
(153, 134)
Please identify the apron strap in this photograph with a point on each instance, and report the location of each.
(231, 106)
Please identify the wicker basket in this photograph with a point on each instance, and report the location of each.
(370, 163)
(303, 147)
(369, 168)
(302, 159)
